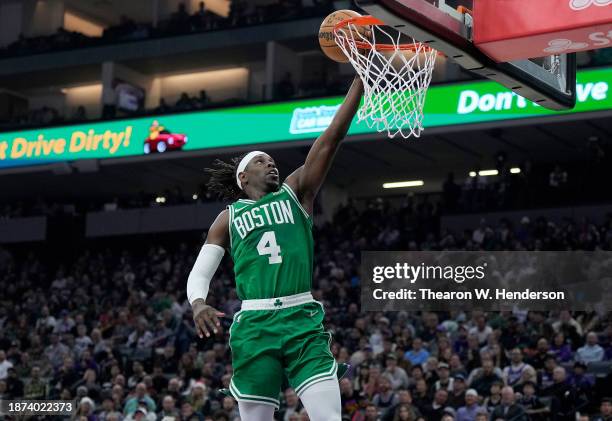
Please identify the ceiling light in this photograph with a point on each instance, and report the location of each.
(515, 170)
(485, 173)
(399, 184)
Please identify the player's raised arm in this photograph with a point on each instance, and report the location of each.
(206, 318)
(308, 179)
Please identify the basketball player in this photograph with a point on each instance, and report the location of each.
(267, 230)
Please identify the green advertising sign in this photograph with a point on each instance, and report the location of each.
(465, 103)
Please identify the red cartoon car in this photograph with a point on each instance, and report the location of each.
(163, 140)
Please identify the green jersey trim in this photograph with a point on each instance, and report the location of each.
(254, 398)
(317, 377)
(289, 190)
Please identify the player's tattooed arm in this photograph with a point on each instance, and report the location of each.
(308, 179)
(206, 317)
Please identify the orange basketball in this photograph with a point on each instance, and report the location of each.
(326, 34)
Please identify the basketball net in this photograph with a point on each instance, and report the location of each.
(395, 75)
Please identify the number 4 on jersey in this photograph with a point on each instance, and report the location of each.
(267, 246)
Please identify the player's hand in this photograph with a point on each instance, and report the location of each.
(206, 318)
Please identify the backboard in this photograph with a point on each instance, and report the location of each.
(447, 26)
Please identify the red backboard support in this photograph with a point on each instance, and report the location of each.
(451, 33)
(513, 30)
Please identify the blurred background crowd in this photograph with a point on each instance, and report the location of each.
(111, 328)
(181, 22)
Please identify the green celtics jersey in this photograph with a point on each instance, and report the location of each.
(271, 245)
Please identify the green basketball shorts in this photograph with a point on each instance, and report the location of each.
(275, 338)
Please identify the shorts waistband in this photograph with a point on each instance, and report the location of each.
(278, 302)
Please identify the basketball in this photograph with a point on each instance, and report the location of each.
(326, 34)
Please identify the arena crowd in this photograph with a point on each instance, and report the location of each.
(112, 330)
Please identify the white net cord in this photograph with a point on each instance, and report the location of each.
(395, 76)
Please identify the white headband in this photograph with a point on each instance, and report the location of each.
(243, 163)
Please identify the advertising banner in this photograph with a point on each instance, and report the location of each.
(465, 103)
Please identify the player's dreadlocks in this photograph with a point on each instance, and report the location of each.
(223, 179)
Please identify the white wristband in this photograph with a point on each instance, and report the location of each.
(203, 270)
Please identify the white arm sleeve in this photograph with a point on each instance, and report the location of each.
(203, 270)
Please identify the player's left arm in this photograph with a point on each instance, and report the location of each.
(308, 179)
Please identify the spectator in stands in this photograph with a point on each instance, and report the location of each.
(471, 408)
(370, 413)
(404, 413)
(141, 338)
(185, 103)
(4, 395)
(494, 399)
(565, 400)
(200, 20)
(396, 375)
(421, 395)
(591, 351)
(4, 365)
(417, 355)
(108, 410)
(198, 398)
(534, 407)
(179, 21)
(14, 386)
(481, 329)
(82, 341)
(581, 381)
(605, 410)
(293, 406)
(444, 380)
(436, 409)
(404, 408)
(509, 409)
(545, 376)
(80, 114)
(512, 374)
(35, 388)
(46, 322)
(231, 409)
(86, 409)
(483, 378)
(386, 397)
(66, 376)
(456, 398)
(203, 100)
(139, 397)
(65, 323)
(168, 408)
(542, 352)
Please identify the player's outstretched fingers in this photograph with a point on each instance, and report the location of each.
(201, 317)
(206, 318)
(210, 316)
(200, 323)
(215, 317)
(212, 319)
